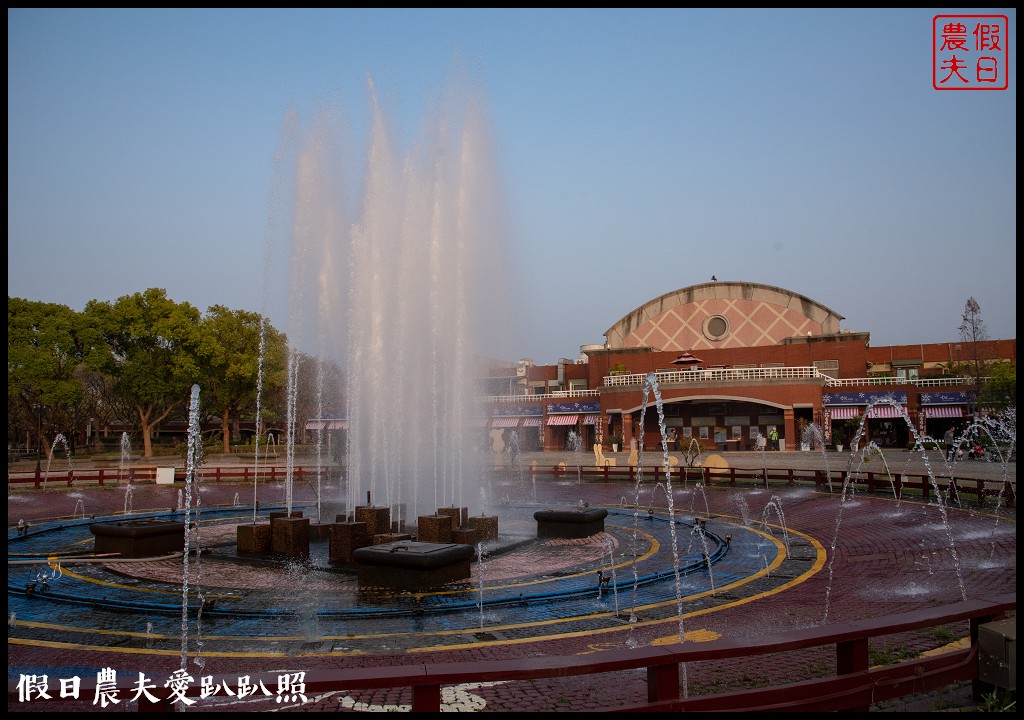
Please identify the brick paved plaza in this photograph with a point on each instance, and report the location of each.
(784, 557)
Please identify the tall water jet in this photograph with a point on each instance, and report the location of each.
(191, 467)
(398, 299)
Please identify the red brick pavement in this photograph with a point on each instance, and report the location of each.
(884, 557)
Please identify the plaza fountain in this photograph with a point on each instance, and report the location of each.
(397, 290)
(389, 302)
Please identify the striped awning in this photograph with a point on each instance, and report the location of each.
(531, 422)
(843, 412)
(885, 411)
(505, 422)
(562, 419)
(591, 419)
(944, 411)
(326, 424)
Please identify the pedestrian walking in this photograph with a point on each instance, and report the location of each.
(949, 440)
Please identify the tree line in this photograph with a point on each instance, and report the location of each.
(132, 363)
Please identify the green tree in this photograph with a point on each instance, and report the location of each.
(233, 374)
(154, 349)
(999, 391)
(46, 343)
(974, 334)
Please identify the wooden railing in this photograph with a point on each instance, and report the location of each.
(853, 686)
(952, 487)
(117, 476)
(955, 488)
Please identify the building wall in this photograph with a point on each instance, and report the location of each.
(767, 327)
(754, 314)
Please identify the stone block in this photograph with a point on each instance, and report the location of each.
(458, 515)
(465, 536)
(377, 519)
(253, 539)
(346, 538)
(434, 529)
(289, 537)
(485, 525)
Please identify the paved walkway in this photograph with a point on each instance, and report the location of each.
(795, 558)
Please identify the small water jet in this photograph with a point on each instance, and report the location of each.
(574, 444)
(59, 440)
(651, 388)
(848, 486)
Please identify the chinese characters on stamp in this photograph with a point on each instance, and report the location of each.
(970, 52)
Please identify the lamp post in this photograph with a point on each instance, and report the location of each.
(600, 419)
(39, 436)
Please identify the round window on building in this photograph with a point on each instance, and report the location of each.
(716, 327)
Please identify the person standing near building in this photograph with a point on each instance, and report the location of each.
(949, 440)
(773, 437)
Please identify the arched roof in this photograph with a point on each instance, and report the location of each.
(722, 314)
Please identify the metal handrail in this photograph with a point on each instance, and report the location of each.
(855, 685)
(546, 396)
(697, 377)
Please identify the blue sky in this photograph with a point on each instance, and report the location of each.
(638, 152)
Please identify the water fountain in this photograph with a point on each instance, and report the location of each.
(192, 461)
(124, 466)
(574, 444)
(57, 442)
(399, 295)
(940, 500)
(651, 388)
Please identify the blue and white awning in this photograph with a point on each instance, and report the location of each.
(843, 412)
(944, 411)
(885, 411)
(562, 419)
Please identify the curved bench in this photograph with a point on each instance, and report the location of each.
(578, 523)
(142, 537)
(411, 565)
